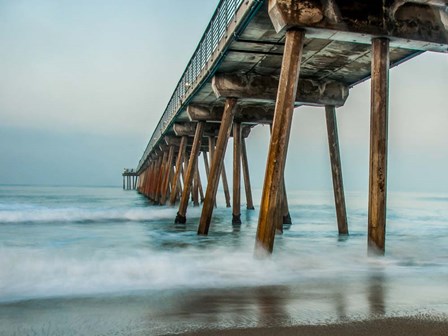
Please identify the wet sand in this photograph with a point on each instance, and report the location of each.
(409, 326)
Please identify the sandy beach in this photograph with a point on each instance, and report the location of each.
(408, 326)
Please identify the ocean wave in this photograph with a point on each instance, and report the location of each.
(31, 214)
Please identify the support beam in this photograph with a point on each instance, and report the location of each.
(211, 150)
(263, 89)
(286, 217)
(168, 168)
(378, 145)
(176, 178)
(336, 169)
(246, 175)
(225, 185)
(191, 169)
(413, 24)
(160, 177)
(217, 164)
(195, 186)
(201, 189)
(236, 208)
(281, 129)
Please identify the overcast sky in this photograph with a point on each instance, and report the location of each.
(83, 84)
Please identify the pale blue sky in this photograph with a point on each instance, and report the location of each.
(83, 84)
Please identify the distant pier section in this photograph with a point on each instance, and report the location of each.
(130, 178)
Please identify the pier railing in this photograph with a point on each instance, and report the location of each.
(227, 18)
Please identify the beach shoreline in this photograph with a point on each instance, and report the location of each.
(394, 326)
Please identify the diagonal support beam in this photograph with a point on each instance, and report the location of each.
(176, 179)
(216, 166)
(281, 129)
(191, 170)
(336, 169)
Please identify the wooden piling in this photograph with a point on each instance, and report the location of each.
(225, 185)
(236, 208)
(286, 216)
(216, 165)
(336, 169)
(175, 182)
(211, 151)
(281, 129)
(195, 187)
(124, 182)
(191, 169)
(246, 176)
(160, 178)
(201, 189)
(155, 189)
(378, 146)
(166, 181)
(207, 169)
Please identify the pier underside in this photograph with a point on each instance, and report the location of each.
(275, 56)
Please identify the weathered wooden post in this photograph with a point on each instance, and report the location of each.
(286, 217)
(211, 150)
(246, 176)
(195, 189)
(281, 128)
(236, 209)
(124, 182)
(378, 145)
(175, 182)
(181, 214)
(160, 177)
(168, 169)
(336, 169)
(225, 185)
(217, 164)
(201, 190)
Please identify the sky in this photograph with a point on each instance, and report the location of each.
(83, 84)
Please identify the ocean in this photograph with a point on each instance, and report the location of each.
(103, 261)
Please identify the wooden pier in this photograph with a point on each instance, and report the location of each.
(130, 178)
(256, 63)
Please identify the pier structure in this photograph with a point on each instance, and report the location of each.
(258, 61)
(130, 178)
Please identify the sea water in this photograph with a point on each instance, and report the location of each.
(100, 261)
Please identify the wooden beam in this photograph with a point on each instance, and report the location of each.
(176, 178)
(281, 129)
(211, 151)
(161, 176)
(336, 169)
(416, 24)
(236, 208)
(378, 146)
(263, 89)
(191, 169)
(246, 176)
(216, 167)
(225, 185)
(201, 190)
(166, 181)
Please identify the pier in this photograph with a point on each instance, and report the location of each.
(258, 61)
